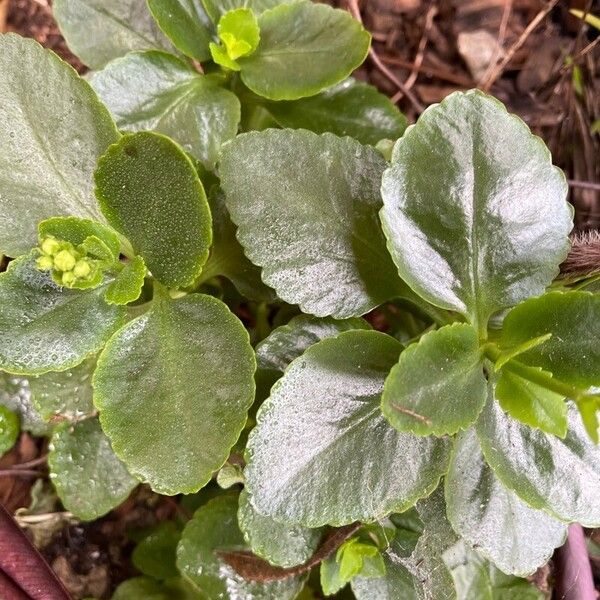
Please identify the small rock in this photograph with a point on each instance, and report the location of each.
(479, 49)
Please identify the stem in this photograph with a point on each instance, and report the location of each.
(574, 579)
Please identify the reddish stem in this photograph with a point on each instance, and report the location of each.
(23, 566)
(574, 579)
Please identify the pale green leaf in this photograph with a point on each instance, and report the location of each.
(158, 92)
(144, 182)
(304, 48)
(217, 8)
(186, 365)
(64, 394)
(438, 385)
(89, 479)
(52, 131)
(44, 327)
(322, 452)
(146, 588)
(98, 31)
(16, 396)
(319, 196)
(515, 537)
(9, 429)
(280, 545)
(474, 212)
(560, 476)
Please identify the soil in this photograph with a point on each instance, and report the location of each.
(532, 54)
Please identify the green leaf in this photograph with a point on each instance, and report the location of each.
(64, 394)
(514, 351)
(9, 429)
(438, 385)
(288, 342)
(187, 364)
(239, 32)
(144, 182)
(322, 452)
(213, 528)
(155, 554)
(146, 588)
(98, 31)
(89, 479)
(572, 353)
(330, 576)
(44, 327)
(350, 108)
(77, 231)
(359, 558)
(46, 159)
(515, 537)
(217, 8)
(397, 583)
(227, 255)
(560, 476)
(158, 92)
(298, 56)
(186, 23)
(493, 180)
(477, 579)
(281, 545)
(128, 284)
(221, 57)
(320, 197)
(426, 561)
(16, 396)
(531, 403)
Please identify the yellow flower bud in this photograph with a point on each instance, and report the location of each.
(82, 269)
(64, 260)
(68, 278)
(50, 246)
(44, 263)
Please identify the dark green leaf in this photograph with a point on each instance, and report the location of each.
(156, 91)
(155, 554)
(98, 31)
(560, 476)
(438, 385)
(572, 354)
(227, 255)
(186, 23)
(320, 197)
(474, 212)
(322, 452)
(66, 394)
(89, 478)
(44, 327)
(288, 342)
(128, 284)
(304, 48)
(146, 588)
(280, 545)
(350, 108)
(214, 527)
(52, 131)
(144, 182)
(515, 537)
(188, 366)
(531, 403)
(9, 429)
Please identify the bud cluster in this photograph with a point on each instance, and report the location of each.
(69, 265)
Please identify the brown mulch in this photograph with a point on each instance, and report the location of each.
(424, 49)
